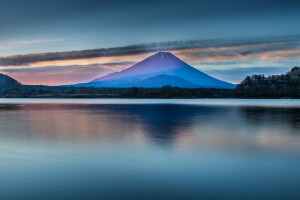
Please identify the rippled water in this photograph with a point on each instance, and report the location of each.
(149, 149)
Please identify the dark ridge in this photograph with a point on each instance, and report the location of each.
(9, 86)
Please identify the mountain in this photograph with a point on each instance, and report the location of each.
(162, 63)
(9, 85)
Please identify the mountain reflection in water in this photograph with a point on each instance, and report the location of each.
(148, 151)
(213, 126)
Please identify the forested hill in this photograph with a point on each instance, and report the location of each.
(276, 86)
(9, 86)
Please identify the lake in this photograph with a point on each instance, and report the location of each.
(149, 149)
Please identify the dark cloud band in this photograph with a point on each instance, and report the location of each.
(244, 47)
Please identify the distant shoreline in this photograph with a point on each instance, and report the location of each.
(285, 86)
(287, 103)
(82, 96)
(165, 92)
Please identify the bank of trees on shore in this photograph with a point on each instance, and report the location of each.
(276, 86)
(91, 92)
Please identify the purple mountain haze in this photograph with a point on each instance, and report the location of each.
(158, 70)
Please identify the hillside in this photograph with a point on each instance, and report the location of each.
(276, 86)
(9, 86)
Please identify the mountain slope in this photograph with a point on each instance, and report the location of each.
(9, 85)
(162, 80)
(152, 82)
(158, 64)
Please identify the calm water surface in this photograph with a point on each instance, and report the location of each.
(149, 149)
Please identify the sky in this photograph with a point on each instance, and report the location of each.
(61, 42)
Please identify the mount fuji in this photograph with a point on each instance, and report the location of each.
(159, 70)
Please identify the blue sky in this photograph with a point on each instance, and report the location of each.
(213, 36)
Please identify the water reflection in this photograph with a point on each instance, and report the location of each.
(136, 151)
(285, 116)
(181, 125)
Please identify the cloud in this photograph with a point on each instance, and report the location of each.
(227, 59)
(236, 75)
(267, 51)
(194, 51)
(38, 41)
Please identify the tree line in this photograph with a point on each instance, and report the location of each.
(275, 86)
